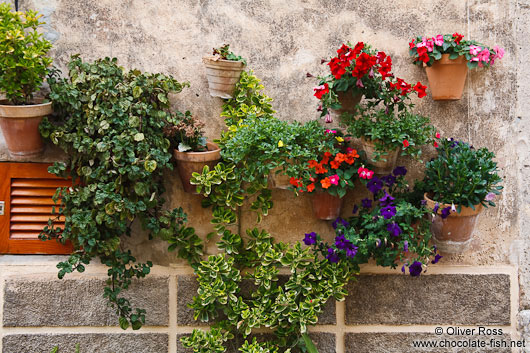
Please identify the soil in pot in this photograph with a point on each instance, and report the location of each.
(326, 206)
(222, 76)
(20, 126)
(447, 78)
(382, 166)
(453, 234)
(190, 162)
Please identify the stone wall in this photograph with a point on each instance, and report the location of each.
(282, 40)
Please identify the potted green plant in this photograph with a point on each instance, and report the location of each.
(328, 178)
(23, 67)
(190, 148)
(384, 133)
(223, 69)
(458, 183)
(446, 59)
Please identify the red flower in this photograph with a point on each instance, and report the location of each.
(458, 37)
(437, 135)
(311, 187)
(412, 45)
(406, 143)
(420, 89)
(435, 144)
(357, 49)
(295, 182)
(334, 165)
(422, 54)
(343, 50)
(363, 64)
(321, 90)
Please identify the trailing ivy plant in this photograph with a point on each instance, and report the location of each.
(110, 123)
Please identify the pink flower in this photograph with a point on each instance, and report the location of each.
(334, 179)
(359, 83)
(429, 45)
(328, 131)
(439, 40)
(365, 173)
(437, 135)
(490, 196)
(499, 53)
(484, 56)
(474, 50)
(328, 119)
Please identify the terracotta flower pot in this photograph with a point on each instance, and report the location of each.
(20, 126)
(189, 162)
(383, 166)
(447, 78)
(325, 206)
(453, 234)
(222, 76)
(280, 180)
(348, 102)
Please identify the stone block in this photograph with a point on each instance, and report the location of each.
(88, 343)
(48, 301)
(455, 299)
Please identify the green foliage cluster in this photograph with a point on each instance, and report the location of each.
(23, 63)
(111, 126)
(285, 305)
(462, 175)
(225, 53)
(185, 133)
(388, 130)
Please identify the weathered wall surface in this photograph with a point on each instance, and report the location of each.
(282, 41)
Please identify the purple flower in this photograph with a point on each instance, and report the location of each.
(423, 202)
(355, 209)
(436, 258)
(436, 207)
(403, 268)
(415, 269)
(388, 211)
(445, 212)
(332, 256)
(378, 242)
(339, 221)
(394, 229)
(405, 246)
(389, 179)
(366, 203)
(341, 242)
(386, 200)
(310, 238)
(490, 196)
(399, 171)
(374, 185)
(351, 251)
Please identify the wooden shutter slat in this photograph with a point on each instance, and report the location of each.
(32, 191)
(33, 201)
(32, 218)
(39, 183)
(33, 209)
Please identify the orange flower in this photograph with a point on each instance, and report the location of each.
(313, 163)
(340, 157)
(334, 165)
(320, 169)
(325, 159)
(325, 183)
(294, 181)
(310, 187)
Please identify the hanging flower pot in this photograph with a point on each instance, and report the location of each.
(190, 162)
(278, 179)
(447, 77)
(326, 206)
(222, 76)
(382, 166)
(348, 101)
(20, 126)
(452, 231)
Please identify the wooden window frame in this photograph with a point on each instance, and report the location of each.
(8, 245)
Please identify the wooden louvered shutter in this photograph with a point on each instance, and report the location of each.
(26, 190)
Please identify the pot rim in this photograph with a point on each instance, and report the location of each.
(446, 61)
(213, 153)
(39, 110)
(213, 59)
(464, 212)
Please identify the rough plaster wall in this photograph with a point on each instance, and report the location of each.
(283, 40)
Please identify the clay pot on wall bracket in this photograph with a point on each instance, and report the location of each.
(20, 126)
(453, 234)
(189, 162)
(348, 102)
(447, 78)
(222, 75)
(383, 166)
(279, 180)
(325, 206)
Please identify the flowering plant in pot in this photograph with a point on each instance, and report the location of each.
(190, 148)
(23, 67)
(458, 183)
(385, 133)
(356, 72)
(389, 229)
(223, 69)
(447, 58)
(328, 178)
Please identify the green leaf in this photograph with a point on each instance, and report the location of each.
(139, 137)
(124, 323)
(311, 348)
(150, 166)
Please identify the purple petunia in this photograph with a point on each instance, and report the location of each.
(332, 256)
(355, 209)
(399, 171)
(423, 202)
(437, 258)
(341, 242)
(386, 200)
(339, 221)
(445, 212)
(436, 207)
(374, 185)
(415, 269)
(405, 246)
(388, 211)
(351, 251)
(394, 229)
(310, 238)
(389, 179)
(366, 203)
